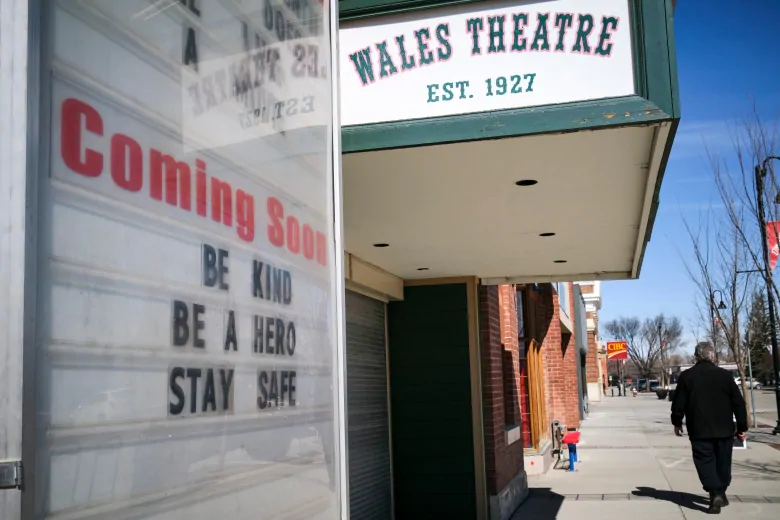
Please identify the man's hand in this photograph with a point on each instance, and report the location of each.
(741, 436)
(678, 430)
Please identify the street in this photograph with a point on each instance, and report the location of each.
(766, 409)
(630, 464)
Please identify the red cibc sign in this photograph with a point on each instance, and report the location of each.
(617, 350)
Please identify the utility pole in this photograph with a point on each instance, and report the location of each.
(750, 371)
(760, 173)
(664, 379)
(721, 306)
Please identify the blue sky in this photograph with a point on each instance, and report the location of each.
(728, 56)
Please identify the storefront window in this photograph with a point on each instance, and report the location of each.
(186, 360)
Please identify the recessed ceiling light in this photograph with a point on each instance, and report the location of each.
(526, 182)
(546, 234)
(381, 245)
(561, 261)
(422, 268)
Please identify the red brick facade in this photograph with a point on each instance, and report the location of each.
(596, 364)
(560, 363)
(505, 377)
(592, 359)
(501, 384)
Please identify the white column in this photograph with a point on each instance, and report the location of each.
(16, 212)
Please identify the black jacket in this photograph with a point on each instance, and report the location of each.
(707, 396)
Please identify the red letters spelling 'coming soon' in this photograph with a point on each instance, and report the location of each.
(127, 171)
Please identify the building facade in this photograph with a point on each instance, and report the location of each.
(596, 367)
(302, 254)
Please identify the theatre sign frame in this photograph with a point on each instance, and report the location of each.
(171, 266)
(486, 79)
(655, 95)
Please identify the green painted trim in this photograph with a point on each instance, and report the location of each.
(631, 110)
(671, 46)
(657, 194)
(656, 55)
(351, 9)
(674, 94)
(657, 96)
(638, 43)
(655, 75)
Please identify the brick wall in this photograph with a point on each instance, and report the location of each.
(592, 359)
(507, 298)
(498, 345)
(560, 360)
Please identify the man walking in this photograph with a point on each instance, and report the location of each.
(708, 398)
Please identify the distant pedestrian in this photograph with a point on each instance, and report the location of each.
(708, 399)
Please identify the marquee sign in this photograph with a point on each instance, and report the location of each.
(617, 350)
(484, 56)
(189, 249)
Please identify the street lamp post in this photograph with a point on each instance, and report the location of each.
(661, 344)
(750, 375)
(760, 174)
(720, 306)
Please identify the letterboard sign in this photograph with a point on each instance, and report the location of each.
(187, 353)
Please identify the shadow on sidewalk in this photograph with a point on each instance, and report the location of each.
(687, 500)
(756, 470)
(541, 504)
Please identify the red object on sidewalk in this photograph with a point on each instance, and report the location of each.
(571, 438)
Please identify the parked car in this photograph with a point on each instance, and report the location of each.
(654, 385)
(750, 384)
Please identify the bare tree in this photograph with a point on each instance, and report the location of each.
(675, 360)
(741, 182)
(642, 354)
(735, 177)
(717, 270)
(650, 343)
(666, 332)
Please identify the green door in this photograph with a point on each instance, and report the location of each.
(430, 390)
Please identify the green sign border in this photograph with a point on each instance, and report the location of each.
(655, 77)
(656, 99)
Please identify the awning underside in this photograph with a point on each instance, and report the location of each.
(455, 210)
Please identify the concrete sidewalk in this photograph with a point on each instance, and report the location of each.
(632, 465)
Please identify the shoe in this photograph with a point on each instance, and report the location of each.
(713, 509)
(719, 500)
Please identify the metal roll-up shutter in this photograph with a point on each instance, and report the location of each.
(368, 441)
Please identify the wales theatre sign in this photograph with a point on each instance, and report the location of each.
(484, 56)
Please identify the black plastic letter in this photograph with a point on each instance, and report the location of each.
(209, 394)
(226, 378)
(177, 407)
(197, 317)
(209, 266)
(222, 257)
(191, 49)
(180, 328)
(193, 374)
(230, 334)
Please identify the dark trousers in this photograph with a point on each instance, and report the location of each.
(712, 458)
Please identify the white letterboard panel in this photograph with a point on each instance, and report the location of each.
(186, 335)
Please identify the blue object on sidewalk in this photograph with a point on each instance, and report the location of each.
(572, 456)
